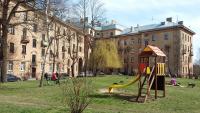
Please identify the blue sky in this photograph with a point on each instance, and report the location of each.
(133, 12)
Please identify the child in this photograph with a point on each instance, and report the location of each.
(54, 77)
(173, 81)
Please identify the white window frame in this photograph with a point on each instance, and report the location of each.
(10, 66)
(22, 66)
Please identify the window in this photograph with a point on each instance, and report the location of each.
(68, 50)
(63, 55)
(68, 62)
(63, 48)
(80, 49)
(58, 31)
(132, 40)
(11, 30)
(51, 26)
(63, 68)
(12, 46)
(50, 67)
(74, 48)
(23, 49)
(165, 36)
(24, 32)
(64, 33)
(153, 38)
(111, 33)
(43, 37)
(132, 59)
(42, 66)
(57, 54)
(35, 27)
(146, 35)
(58, 67)
(10, 66)
(43, 52)
(34, 43)
(139, 41)
(146, 42)
(25, 16)
(22, 66)
(97, 34)
(125, 43)
(33, 58)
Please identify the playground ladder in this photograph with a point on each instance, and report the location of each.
(149, 79)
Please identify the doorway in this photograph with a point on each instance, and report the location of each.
(33, 72)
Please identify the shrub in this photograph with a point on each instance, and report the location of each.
(76, 93)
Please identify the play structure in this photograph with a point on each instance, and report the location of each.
(151, 73)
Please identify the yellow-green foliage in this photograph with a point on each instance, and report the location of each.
(105, 55)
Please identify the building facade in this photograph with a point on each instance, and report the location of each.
(174, 39)
(29, 45)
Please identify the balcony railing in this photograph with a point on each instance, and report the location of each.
(44, 43)
(191, 53)
(25, 39)
(184, 51)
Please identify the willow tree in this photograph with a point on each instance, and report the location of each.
(104, 55)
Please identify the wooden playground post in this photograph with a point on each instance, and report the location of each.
(156, 85)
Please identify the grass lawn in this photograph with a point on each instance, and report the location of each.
(27, 97)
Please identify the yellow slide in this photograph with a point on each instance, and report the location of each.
(124, 85)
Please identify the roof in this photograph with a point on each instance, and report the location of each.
(152, 49)
(109, 27)
(160, 26)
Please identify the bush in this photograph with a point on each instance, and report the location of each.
(76, 93)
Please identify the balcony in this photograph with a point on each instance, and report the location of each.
(184, 51)
(33, 64)
(191, 53)
(44, 43)
(25, 39)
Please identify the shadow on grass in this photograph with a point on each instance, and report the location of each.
(127, 97)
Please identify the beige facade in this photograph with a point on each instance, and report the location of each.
(28, 44)
(174, 39)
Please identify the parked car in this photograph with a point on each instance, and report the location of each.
(12, 78)
(88, 74)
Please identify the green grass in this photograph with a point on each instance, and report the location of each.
(27, 97)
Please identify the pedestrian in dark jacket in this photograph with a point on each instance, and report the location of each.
(58, 78)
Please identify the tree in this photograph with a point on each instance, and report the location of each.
(76, 92)
(52, 13)
(104, 55)
(8, 9)
(74, 40)
(91, 14)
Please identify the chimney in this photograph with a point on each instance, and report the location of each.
(162, 23)
(131, 29)
(169, 19)
(180, 22)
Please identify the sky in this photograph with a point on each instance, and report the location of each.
(143, 12)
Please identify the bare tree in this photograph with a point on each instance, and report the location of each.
(74, 40)
(53, 12)
(91, 14)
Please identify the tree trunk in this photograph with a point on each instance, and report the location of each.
(72, 68)
(5, 52)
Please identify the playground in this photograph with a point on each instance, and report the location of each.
(27, 97)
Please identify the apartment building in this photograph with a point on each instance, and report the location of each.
(29, 44)
(173, 38)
